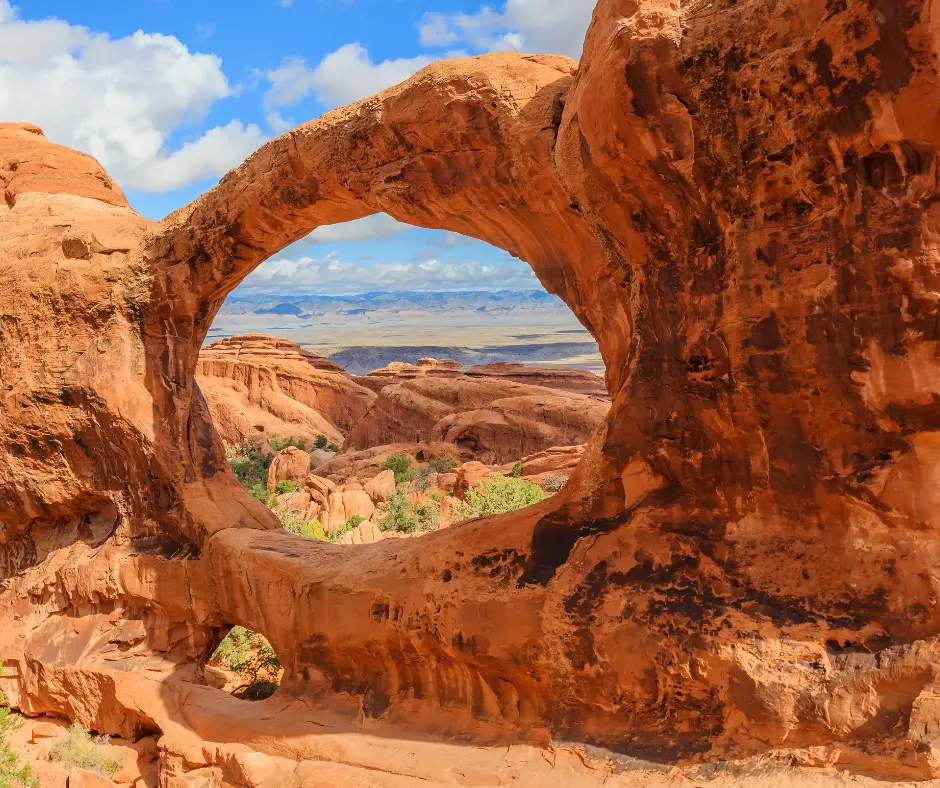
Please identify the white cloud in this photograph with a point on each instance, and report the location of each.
(121, 100)
(380, 225)
(542, 26)
(330, 275)
(342, 77)
(278, 124)
(291, 83)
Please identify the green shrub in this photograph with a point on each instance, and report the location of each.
(341, 530)
(298, 526)
(251, 657)
(79, 750)
(277, 443)
(439, 465)
(333, 447)
(250, 466)
(284, 487)
(260, 492)
(516, 471)
(498, 495)
(321, 442)
(401, 465)
(244, 651)
(12, 773)
(401, 514)
(423, 479)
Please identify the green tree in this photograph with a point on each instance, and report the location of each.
(250, 466)
(516, 471)
(401, 465)
(498, 495)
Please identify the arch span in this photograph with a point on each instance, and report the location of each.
(739, 201)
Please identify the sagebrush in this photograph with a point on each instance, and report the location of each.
(80, 750)
(498, 495)
(402, 514)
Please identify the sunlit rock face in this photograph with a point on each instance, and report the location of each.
(739, 201)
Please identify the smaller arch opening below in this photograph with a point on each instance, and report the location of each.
(245, 665)
(362, 416)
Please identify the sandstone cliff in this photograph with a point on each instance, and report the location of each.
(740, 202)
(257, 383)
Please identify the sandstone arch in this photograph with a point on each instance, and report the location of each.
(739, 201)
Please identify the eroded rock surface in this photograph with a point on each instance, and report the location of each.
(579, 381)
(256, 383)
(739, 201)
(488, 418)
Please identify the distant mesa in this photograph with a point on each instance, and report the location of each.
(281, 309)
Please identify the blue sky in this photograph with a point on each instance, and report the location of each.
(170, 94)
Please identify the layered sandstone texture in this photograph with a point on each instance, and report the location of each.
(485, 417)
(740, 202)
(256, 383)
(579, 381)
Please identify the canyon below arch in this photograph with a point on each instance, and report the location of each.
(739, 584)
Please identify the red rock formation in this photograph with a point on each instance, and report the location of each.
(740, 202)
(254, 382)
(579, 381)
(261, 347)
(291, 464)
(368, 462)
(490, 419)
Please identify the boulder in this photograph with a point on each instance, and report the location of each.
(215, 677)
(470, 474)
(85, 779)
(382, 487)
(45, 730)
(319, 487)
(344, 504)
(297, 502)
(291, 464)
(319, 457)
(445, 482)
(313, 512)
(252, 768)
(364, 533)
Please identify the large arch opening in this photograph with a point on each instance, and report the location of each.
(353, 443)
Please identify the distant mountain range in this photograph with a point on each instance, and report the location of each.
(312, 305)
